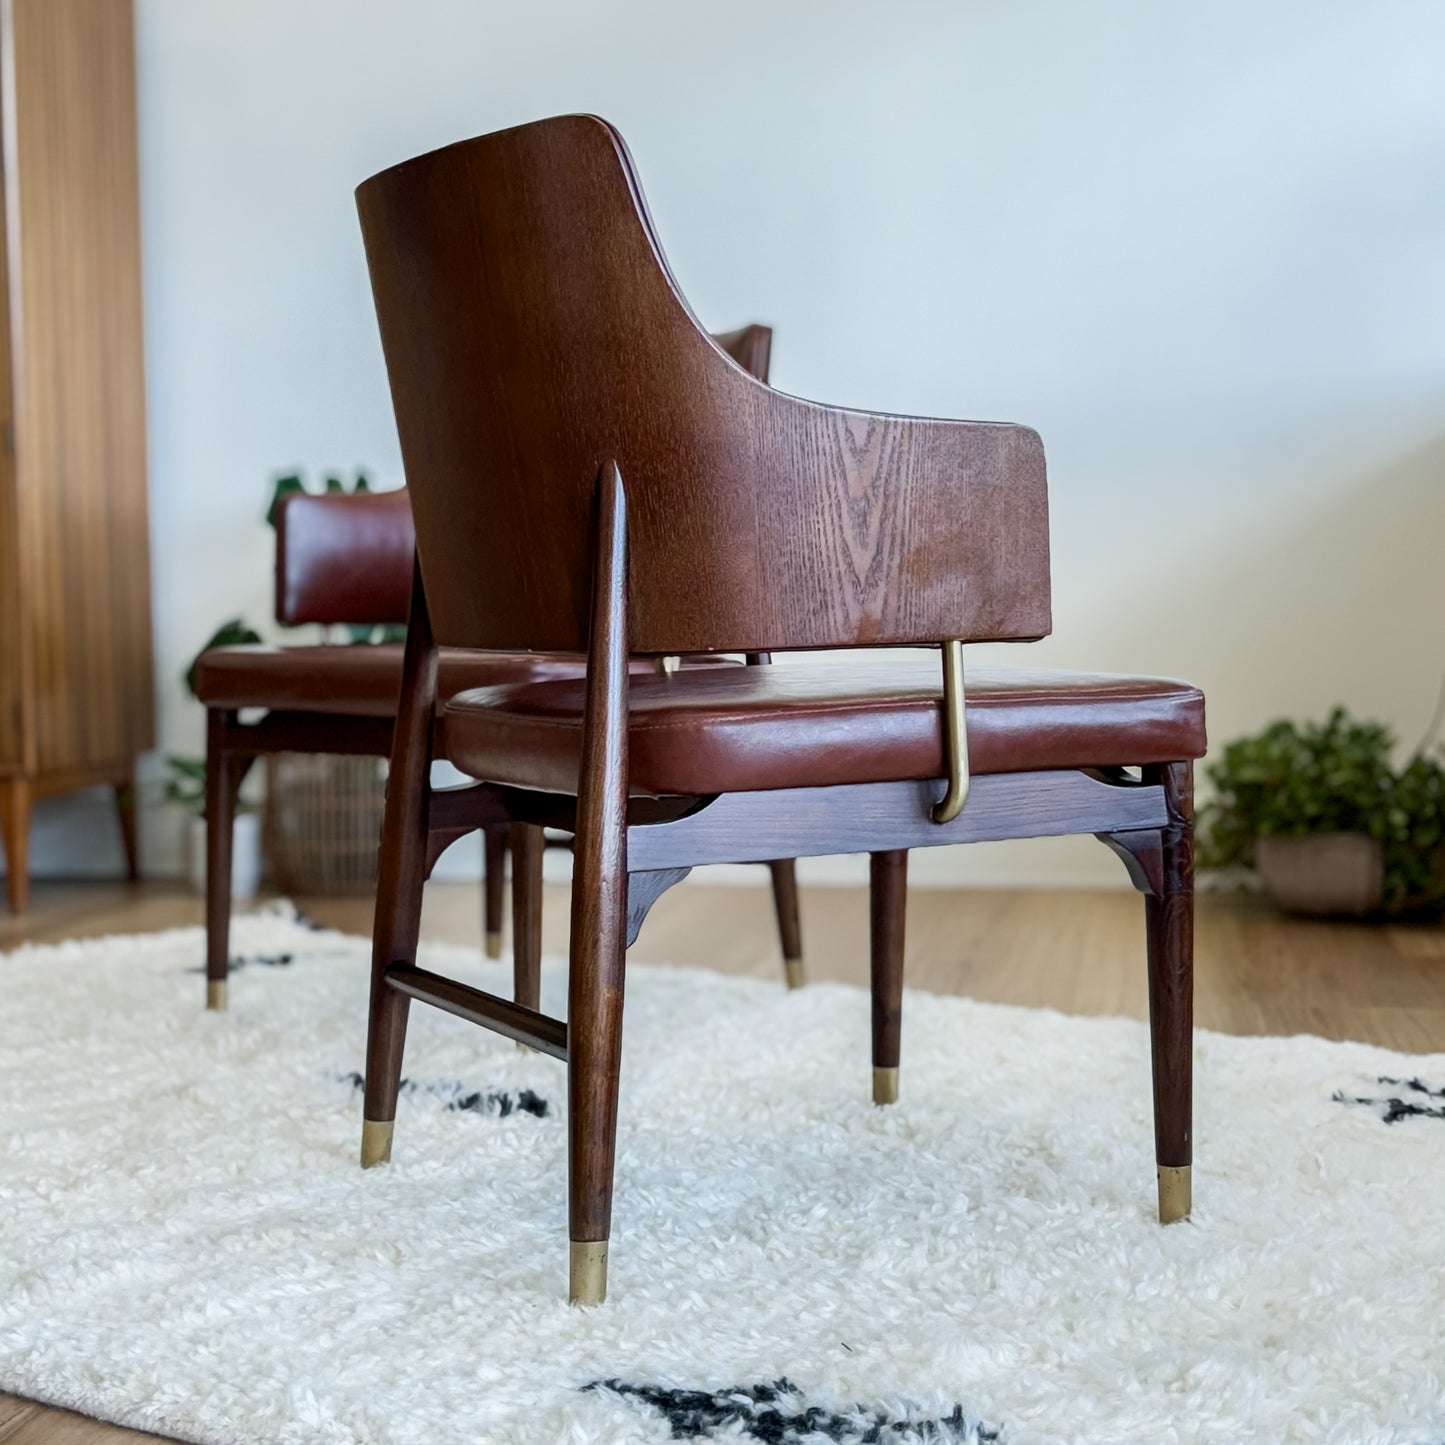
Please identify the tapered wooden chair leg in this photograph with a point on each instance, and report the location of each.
(599, 911)
(888, 906)
(790, 930)
(594, 1056)
(401, 872)
(494, 876)
(527, 844)
(221, 788)
(385, 1044)
(1170, 921)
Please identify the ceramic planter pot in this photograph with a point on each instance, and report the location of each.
(1330, 875)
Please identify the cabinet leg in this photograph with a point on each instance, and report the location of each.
(15, 830)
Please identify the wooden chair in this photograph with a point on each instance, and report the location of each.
(349, 559)
(590, 470)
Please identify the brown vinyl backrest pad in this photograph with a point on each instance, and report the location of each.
(344, 557)
(532, 332)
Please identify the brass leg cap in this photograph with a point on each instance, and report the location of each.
(1175, 1194)
(793, 972)
(216, 994)
(587, 1276)
(885, 1086)
(493, 945)
(376, 1142)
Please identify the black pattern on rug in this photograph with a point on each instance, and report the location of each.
(778, 1413)
(456, 1098)
(1412, 1099)
(258, 960)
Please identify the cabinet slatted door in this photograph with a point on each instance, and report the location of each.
(76, 685)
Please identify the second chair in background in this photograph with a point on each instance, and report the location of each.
(348, 559)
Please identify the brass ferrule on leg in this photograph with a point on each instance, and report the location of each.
(494, 945)
(885, 1085)
(587, 1274)
(955, 736)
(1175, 1194)
(376, 1142)
(216, 994)
(793, 972)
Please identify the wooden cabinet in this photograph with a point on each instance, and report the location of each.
(76, 689)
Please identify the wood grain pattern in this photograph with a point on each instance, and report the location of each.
(887, 917)
(494, 877)
(502, 1015)
(1170, 924)
(16, 748)
(643, 890)
(876, 817)
(785, 905)
(532, 330)
(598, 952)
(15, 804)
(29, 1424)
(402, 865)
(76, 342)
(76, 692)
(527, 844)
(224, 772)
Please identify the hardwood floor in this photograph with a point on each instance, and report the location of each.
(1080, 952)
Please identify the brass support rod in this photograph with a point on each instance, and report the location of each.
(955, 736)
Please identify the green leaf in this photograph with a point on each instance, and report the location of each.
(282, 487)
(186, 785)
(234, 633)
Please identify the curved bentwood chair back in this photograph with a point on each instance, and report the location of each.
(533, 333)
(590, 470)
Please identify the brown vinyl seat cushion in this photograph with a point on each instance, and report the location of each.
(818, 724)
(365, 680)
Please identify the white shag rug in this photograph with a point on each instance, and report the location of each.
(188, 1246)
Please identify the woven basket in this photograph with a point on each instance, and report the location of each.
(323, 822)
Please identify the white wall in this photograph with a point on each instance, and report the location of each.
(1202, 250)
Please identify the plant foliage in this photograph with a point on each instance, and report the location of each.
(294, 482)
(1298, 780)
(186, 784)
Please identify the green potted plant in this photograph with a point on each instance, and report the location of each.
(1330, 826)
